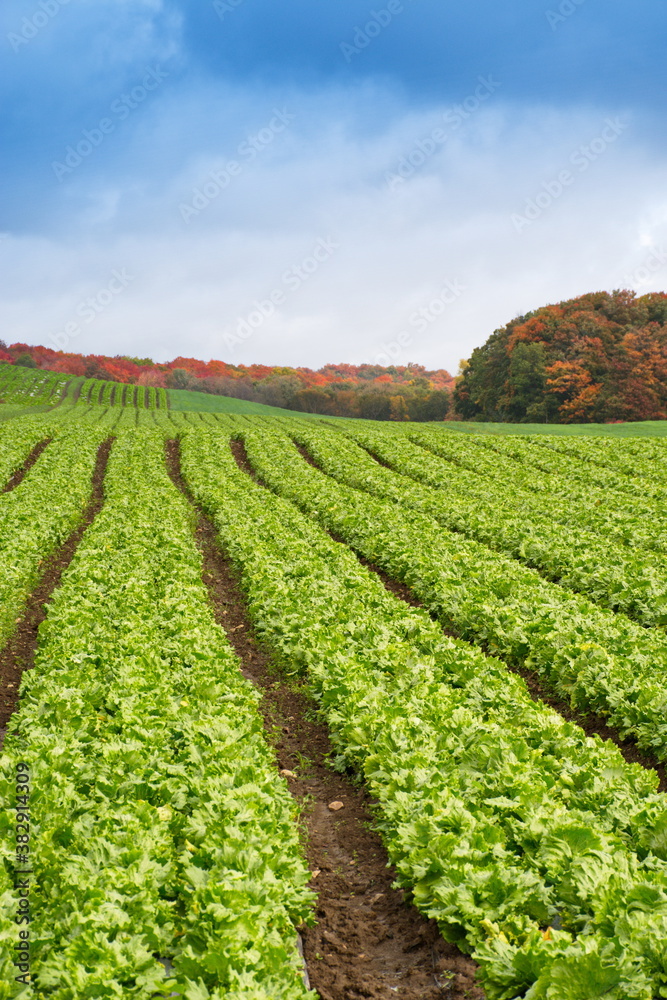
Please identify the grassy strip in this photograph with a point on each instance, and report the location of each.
(634, 429)
(10, 411)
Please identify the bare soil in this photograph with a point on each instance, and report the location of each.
(368, 942)
(19, 653)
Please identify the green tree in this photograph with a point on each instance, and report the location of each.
(313, 401)
(397, 408)
(429, 406)
(374, 406)
(526, 382)
(478, 391)
(25, 361)
(179, 378)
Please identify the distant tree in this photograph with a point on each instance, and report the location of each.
(397, 408)
(429, 406)
(346, 401)
(278, 390)
(481, 386)
(179, 378)
(152, 376)
(313, 401)
(374, 406)
(93, 368)
(525, 382)
(25, 360)
(220, 385)
(141, 362)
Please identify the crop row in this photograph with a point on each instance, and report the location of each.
(96, 392)
(166, 856)
(648, 451)
(16, 442)
(633, 519)
(115, 418)
(599, 660)
(537, 849)
(510, 521)
(39, 515)
(555, 457)
(30, 387)
(110, 391)
(629, 459)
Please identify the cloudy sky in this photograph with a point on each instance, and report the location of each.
(318, 181)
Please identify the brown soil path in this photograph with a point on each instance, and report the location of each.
(368, 941)
(19, 653)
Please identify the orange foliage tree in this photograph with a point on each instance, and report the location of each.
(600, 357)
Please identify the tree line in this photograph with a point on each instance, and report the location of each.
(372, 392)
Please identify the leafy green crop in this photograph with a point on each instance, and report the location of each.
(161, 828)
(17, 440)
(538, 849)
(505, 519)
(599, 660)
(166, 852)
(30, 386)
(625, 462)
(39, 515)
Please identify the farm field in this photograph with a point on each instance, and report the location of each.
(40, 390)
(204, 402)
(637, 428)
(318, 708)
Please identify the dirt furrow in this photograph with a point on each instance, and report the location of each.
(23, 470)
(368, 941)
(19, 653)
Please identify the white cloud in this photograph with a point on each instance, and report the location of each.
(325, 175)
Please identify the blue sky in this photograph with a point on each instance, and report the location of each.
(323, 181)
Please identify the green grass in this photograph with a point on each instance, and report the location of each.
(642, 428)
(204, 402)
